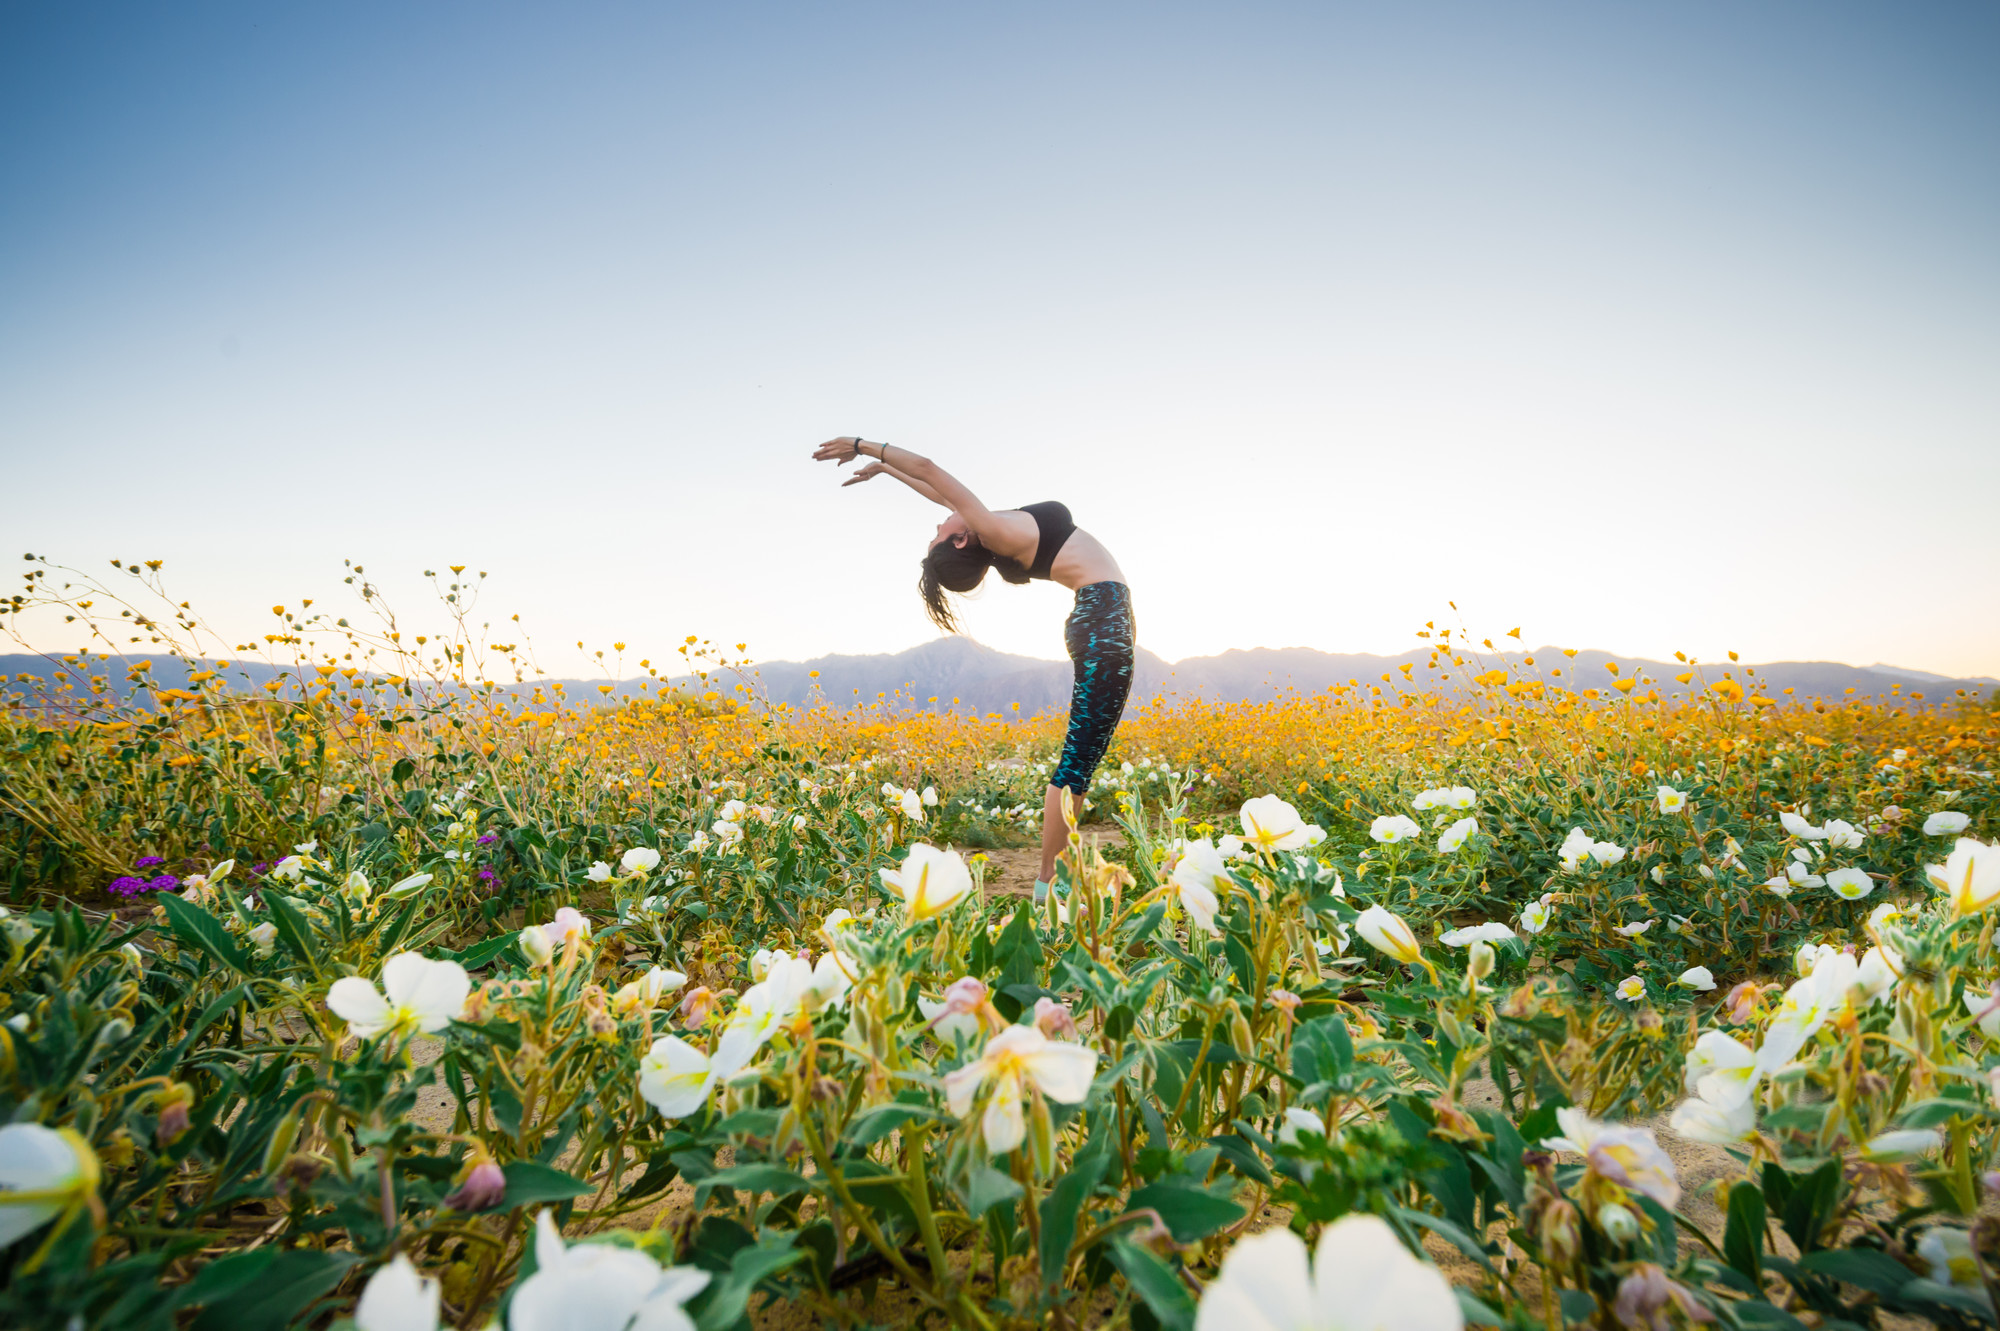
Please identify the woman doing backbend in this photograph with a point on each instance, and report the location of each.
(1034, 541)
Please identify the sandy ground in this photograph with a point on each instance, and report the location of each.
(1012, 872)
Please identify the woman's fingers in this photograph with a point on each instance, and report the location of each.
(836, 450)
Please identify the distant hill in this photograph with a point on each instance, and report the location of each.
(960, 673)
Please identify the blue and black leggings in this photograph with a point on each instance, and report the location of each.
(1099, 636)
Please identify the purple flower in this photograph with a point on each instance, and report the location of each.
(488, 839)
(487, 875)
(166, 882)
(260, 869)
(147, 862)
(127, 886)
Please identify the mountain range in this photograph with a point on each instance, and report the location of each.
(957, 672)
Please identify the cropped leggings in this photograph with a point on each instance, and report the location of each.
(1099, 636)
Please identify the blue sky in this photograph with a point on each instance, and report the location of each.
(1644, 327)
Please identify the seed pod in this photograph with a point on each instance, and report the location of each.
(280, 1145)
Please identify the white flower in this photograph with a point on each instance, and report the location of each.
(890, 790)
(264, 938)
(1361, 1279)
(639, 859)
(1800, 828)
(1800, 878)
(1232, 848)
(1387, 934)
(1634, 929)
(599, 1287)
(535, 946)
(930, 797)
(1477, 933)
(1392, 828)
(953, 1027)
(1671, 800)
(1534, 917)
(1946, 822)
(1455, 835)
(1949, 1254)
(1605, 853)
(647, 990)
(1719, 1125)
(1631, 988)
(1843, 836)
(798, 822)
(1427, 800)
(1016, 1059)
(1977, 1003)
(1698, 978)
(1884, 913)
(764, 1008)
(733, 810)
(1628, 1156)
(569, 924)
(1299, 1120)
(836, 923)
(599, 872)
(1905, 1144)
(1972, 876)
(1461, 798)
(1721, 1069)
(1269, 823)
(728, 835)
(1197, 874)
(675, 1077)
(829, 984)
(697, 843)
(38, 1159)
(408, 887)
(291, 866)
(1850, 884)
(396, 1298)
(912, 805)
(931, 880)
(424, 995)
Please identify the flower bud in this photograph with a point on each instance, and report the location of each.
(1562, 1233)
(1480, 960)
(536, 947)
(280, 1146)
(1054, 1019)
(1617, 1223)
(174, 1103)
(133, 956)
(483, 1187)
(700, 1004)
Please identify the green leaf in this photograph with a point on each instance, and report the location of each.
(1155, 1283)
(198, 929)
(1188, 1211)
(1811, 1203)
(528, 1183)
(1059, 1212)
(1475, 1312)
(282, 1291)
(1932, 1113)
(480, 954)
(292, 927)
(1743, 1240)
(1757, 1315)
(774, 1179)
(986, 1188)
(878, 1121)
(1876, 1272)
(1921, 1291)
(728, 1297)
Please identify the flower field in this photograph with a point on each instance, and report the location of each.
(400, 989)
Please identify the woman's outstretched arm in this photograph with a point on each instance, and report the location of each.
(914, 470)
(875, 469)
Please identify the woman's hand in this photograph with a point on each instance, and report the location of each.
(871, 470)
(842, 450)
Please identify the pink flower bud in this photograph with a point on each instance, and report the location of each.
(482, 1189)
(1054, 1019)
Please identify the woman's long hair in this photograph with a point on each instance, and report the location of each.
(959, 568)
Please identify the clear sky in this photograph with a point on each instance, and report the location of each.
(1646, 327)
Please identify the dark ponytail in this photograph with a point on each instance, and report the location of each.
(959, 568)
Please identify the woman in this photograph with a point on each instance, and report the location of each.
(1036, 541)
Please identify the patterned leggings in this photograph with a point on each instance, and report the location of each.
(1099, 636)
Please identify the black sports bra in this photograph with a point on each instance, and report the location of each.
(1052, 520)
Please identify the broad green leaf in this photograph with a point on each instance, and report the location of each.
(1155, 1283)
(1743, 1240)
(1188, 1211)
(197, 928)
(529, 1183)
(1059, 1212)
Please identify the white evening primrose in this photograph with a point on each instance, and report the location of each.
(764, 1009)
(1297, 1120)
(1394, 828)
(1535, 917)
(1198, 874)
(639, 859)
(1461, 798)
(1670, 800)
(646, 991)
(569, 925)
(1477, 933)
(1850, 884)
(1949, 1254)
(1800, 828)
(930, 797)
(675, 1077)
(1387, 934)
(1269, 823)
(1902, 1145)
(1698, 978)
(1800, 877)
(1983, 1005)
(1634, 929)
(1884, 913)
(1018, 1061)
(931, 880)
(1361, 1278)
(1718, 1125)
(264, 938)
(837, 922)
(1434, 798)
(1971, 876)
(1946, 822)
(1628, 1156)
(1456, 835)
(423, 995)
(397, 1298)
(1721, 1069)
(1843, 836)
(728, 835)
(53, 1163)
(1631, 989)
(600, 1287)
(912, 805)
(599, 872)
